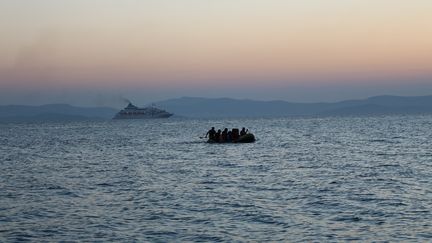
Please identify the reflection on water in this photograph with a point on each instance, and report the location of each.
(304, 179)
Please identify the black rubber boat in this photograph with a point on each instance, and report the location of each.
(247, 138)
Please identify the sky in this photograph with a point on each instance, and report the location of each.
(93, 52)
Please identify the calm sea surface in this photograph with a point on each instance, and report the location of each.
(318, 179)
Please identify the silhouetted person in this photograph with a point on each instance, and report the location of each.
(235, 134)
(243, 131)
(211, 133)
(224, 135)
(218, 136)
(229, 137)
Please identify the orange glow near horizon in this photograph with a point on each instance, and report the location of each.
(161, 43)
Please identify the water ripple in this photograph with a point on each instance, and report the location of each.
(316, 179)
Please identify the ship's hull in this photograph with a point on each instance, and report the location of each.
(131, 117)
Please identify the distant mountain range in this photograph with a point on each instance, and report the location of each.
(225, 107)
(54, 112)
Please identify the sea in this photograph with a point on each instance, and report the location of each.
(304, 180)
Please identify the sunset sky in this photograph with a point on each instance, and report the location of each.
(89, 52)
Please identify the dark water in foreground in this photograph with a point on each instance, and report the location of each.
(303, 180)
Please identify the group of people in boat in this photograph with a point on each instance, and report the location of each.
(225, 136)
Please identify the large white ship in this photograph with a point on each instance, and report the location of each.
(133, 112)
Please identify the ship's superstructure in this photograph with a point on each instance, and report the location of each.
(133, 112)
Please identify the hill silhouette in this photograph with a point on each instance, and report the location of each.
(227, 107)
(196, 107)
(54, 112)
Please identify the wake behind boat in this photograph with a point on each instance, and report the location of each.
(134, 112)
